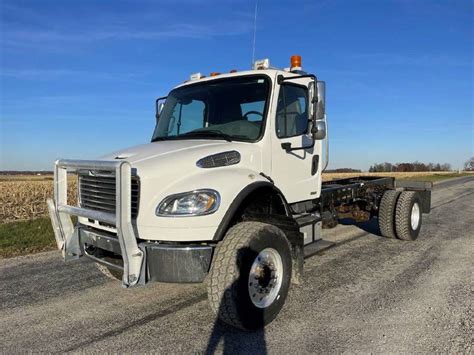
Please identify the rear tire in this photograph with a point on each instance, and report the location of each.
(408, 215)
(250, 275)
(109, 272)
(387, 213)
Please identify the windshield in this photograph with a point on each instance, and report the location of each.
(231, 109)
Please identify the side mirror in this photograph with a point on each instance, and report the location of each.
(321, 104)
(160, 103)
(317, 109)
(313, 98)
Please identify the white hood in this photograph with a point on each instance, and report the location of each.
(181, 155)
(141, 153)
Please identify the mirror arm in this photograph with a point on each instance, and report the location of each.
(287, 147)
(281, 78)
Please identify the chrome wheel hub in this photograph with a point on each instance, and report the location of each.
(415, 216)
(265, 278)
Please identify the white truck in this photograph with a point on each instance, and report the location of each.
(228, 191)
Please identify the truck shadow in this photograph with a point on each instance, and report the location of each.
(236, 341)
(371, 226)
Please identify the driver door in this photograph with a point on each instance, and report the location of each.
(297, 172)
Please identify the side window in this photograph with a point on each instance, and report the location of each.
(292, 115)
(187, 117)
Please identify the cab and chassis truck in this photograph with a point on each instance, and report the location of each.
(228, 191)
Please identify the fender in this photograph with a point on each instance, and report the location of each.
(237, 202)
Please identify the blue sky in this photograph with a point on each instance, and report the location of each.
(79, 78)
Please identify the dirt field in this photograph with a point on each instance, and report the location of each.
(23, 197)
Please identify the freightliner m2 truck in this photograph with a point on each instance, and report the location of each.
(228, 192)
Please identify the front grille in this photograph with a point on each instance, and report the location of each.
(97, 192)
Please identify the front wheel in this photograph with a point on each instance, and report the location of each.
(250, 275)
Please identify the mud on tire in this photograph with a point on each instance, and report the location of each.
(230, 281)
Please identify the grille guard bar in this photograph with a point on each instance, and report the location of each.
(67, 236)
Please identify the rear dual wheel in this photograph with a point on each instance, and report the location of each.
(408, 215)
(400, 214)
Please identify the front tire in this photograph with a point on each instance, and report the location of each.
(250, 275)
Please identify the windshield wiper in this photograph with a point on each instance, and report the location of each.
(208, 133)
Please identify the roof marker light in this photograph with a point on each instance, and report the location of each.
(195, 76)
(214, 73)
(261, 64)
(233, 71)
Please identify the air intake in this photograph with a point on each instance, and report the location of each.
(221, 159)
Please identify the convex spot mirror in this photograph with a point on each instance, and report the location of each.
(320, 128)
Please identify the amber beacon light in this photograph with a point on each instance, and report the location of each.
(295, 62)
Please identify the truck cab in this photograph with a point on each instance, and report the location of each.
(228, 190)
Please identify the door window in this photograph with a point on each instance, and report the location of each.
(292, 113)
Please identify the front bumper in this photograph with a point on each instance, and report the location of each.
(140, 262)
(185, 263)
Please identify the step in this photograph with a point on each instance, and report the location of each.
(308, 219)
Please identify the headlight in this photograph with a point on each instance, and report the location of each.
(193, 203)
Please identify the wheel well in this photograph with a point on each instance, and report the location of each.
(264, 200)
(256, 199)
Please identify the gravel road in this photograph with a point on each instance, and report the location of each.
(365, 294)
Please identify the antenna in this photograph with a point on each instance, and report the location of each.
(254, 31)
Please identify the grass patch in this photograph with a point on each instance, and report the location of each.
(26, 237)
(435, 177)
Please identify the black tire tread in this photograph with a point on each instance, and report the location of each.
(224, 272)
(402, 220)
(387, 213)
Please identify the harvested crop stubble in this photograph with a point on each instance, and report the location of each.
(21, 200)
(24, 197)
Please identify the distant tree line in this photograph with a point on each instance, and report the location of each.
(343, 170)
(408, 167)
(25, 172)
